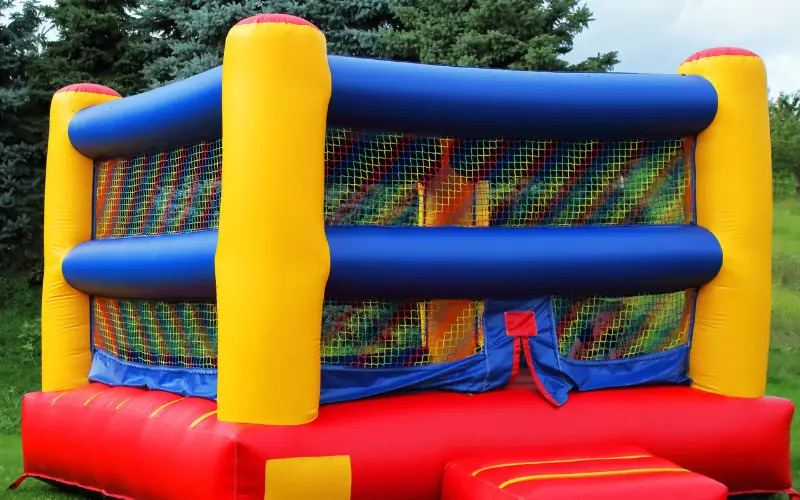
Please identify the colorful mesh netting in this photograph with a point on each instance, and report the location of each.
(401, 180)
(388, 334)
(173, 191)
(180, 334)
(380, 179)
(605, 328)
(392, 179)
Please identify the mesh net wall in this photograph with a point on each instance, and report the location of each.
(182, 334)
(402, 180)
(172, 191)
(389, 333)
(398, 180)
(605, 328)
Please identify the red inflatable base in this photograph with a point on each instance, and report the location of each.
(597, 473)
(132, 443)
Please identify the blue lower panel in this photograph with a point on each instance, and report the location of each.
(417, 263)
(560, 375)
(481, 372)
(187, 382)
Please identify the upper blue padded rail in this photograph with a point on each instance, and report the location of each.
(386, 96)
(417, 263)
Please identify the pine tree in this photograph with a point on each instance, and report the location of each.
(94, 43)
(21, 161)
(188, 37)
(514, 34)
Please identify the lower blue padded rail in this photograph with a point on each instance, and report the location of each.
(417, 263)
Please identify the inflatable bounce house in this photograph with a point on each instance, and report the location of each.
(301, 276)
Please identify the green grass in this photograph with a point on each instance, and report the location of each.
(19, 362)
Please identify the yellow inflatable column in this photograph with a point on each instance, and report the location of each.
(730, 345)
(272, 258)
(66, 343)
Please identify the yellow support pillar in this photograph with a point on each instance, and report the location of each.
(66, 342)
(272, 259)
(730, 344)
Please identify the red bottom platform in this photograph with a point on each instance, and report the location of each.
(610, 473)
(138, 444)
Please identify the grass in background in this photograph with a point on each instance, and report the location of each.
(19, 351)
(784, 361)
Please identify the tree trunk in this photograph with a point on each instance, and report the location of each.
(797, 181)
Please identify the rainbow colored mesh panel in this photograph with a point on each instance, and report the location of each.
(174, 191)
(606, 328)
(182, 334)
(402, 180)
(393, 179)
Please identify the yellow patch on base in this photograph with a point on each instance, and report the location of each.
(310, 478)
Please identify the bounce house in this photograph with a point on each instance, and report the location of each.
(300, 276)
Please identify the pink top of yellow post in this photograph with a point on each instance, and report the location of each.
(89, 88)
(720, 51)
(277, 18)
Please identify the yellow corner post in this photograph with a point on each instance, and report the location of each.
(272, 259)
(66, 343)
(730, 343)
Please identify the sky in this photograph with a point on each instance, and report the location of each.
(655, 36)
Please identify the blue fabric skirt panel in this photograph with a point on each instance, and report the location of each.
(197, 382)
(562, 375)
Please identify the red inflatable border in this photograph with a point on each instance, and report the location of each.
(132, 443)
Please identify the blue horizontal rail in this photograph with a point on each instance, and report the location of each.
(388, 96)
(417, 263)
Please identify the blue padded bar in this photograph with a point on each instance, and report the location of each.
(179, 266)
(175, 115)
(414, 263)
(423, 99)
(491, 103)
(511, 263)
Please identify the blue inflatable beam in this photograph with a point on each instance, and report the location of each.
(175, 115)
(179, 266)
(424, 99)
(415, 263)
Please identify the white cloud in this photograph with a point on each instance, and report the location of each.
(655, 36)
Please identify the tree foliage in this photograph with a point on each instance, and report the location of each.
(785, 137)
(95, 41)
(515, 34)
(20, 148)
(186, 37)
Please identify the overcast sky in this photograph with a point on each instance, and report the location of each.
(655, 36)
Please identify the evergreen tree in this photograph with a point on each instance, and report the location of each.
(21, 161)
(94, 43)
(515, 34)
(187, 37)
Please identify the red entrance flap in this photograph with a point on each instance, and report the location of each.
(520, 324)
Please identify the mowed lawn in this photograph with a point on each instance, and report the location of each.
(19, 363)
